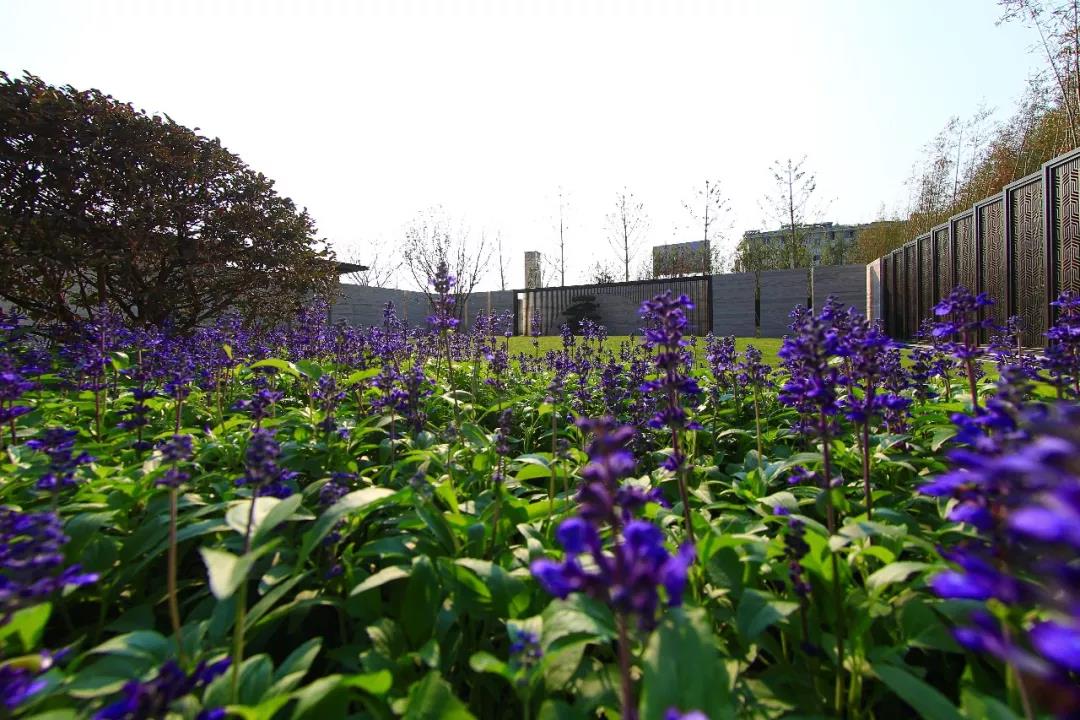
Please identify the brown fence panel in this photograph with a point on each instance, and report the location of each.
(965, 259)
(887, 295)
(1021, 247)
(911, 294)
(990, 244)
(1030, 279)
(945, 278)
(925, 280)
(1063, 218)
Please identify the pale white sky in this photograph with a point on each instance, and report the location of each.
(368, 112)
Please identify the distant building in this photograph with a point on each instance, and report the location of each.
(826, 243)
(689, 258)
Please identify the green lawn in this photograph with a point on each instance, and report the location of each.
(767, 346)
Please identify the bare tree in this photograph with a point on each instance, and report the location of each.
(549, 270)
(1058, 25)
(602, 274)
(562, 228)
(502, 259)
(381, 262)
(711, 219)
(755, 253)
(790, 205)
(431, 238)
(626, 225)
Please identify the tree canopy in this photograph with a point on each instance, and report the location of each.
(101, 203)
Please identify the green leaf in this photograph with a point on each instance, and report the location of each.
(310, 369)
(484, 662)
(374, 683)
(323, 698)
(263, 711)
(758, 611)
(532, 472)
(366, 499)
(283, 365)
(387, 574)
(294, 667)
(108, 675)
(941, 435)
(256, 673)
(558, 710)
(29, 625)
(475, 435)
(433, 699)
(894, 572)
(422, 600)
(145, 644)
(977, 705)
(504, 587)
(682, 669)
(922, 697)
(782, 499)
(362, 375)
(269, 513)
(226, 570)
(577, 615)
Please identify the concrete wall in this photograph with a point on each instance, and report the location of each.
(619, 313)
(360, 305)
(733, 305)
(874, 309)
(732, 301)
(846, 283)
(781, 290)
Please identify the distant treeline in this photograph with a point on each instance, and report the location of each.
(971, 159)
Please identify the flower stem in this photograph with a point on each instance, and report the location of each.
(830, 516)
(174, 606)
(757, 423)
(241, 609)
(864, 442)
(684, 494)
(626, 683)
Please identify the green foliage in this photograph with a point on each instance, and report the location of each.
(399, 599)
(100, 202)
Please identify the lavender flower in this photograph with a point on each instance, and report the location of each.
(610, 460)
(263, 475)
(174, 450)
(31, 561)
(676, 714)
(12, 387)
(259, 405)
(153, 699)
(628, 578)
(444, 317)
(814, 379)
(1023, 497)
(59, 445)
(721, 357)
(960, 325)
(795, 549)
(630, 575)
(666, 317)
(525, 649)
(19, 682)
(1062, 354)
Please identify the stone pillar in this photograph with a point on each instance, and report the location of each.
(873, 290)
(532, 270)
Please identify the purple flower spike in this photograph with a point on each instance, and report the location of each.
(31, 561)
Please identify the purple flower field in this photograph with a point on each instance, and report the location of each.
(320, 521)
